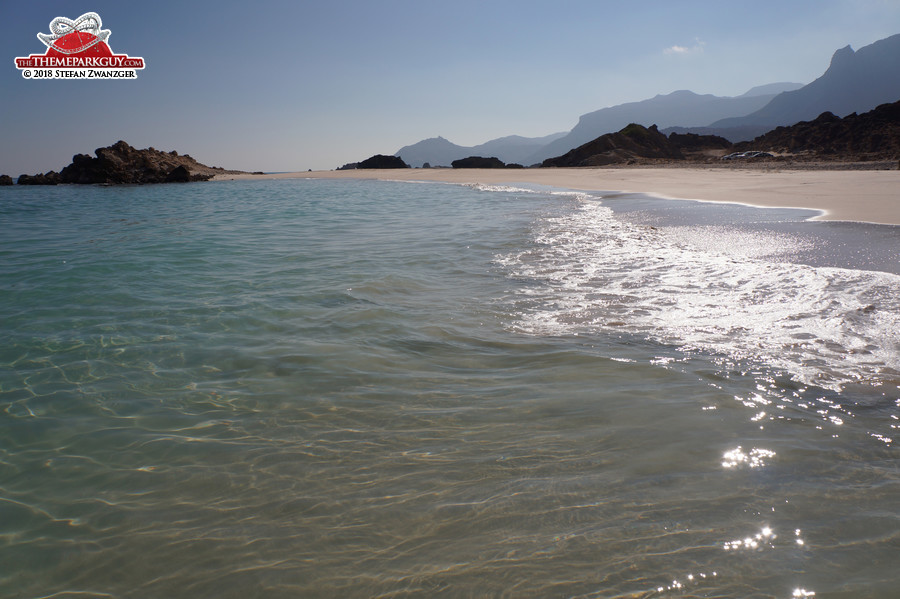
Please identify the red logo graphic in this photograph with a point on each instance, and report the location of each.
(78, 50)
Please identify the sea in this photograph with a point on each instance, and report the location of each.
(351, 388)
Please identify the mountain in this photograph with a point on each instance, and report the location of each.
(681, 108)
(439, 151)
(854, 82)
(732, 134)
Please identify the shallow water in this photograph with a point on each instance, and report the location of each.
(375, 389)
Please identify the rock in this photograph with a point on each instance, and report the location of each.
(122, 164)
(179, 174)
(382, 161)
(478, 162)
(873, 135)
(6, 180)
(50, 178)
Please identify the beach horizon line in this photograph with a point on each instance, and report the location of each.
(869, 196)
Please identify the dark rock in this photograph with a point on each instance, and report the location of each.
(382, 161)
(632, 143)
(350, 166)
(50, 178)
(873, 135)
(6, 180)
(179, 174)
(122, 164)
(478, 162)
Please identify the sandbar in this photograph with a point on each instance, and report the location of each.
(871, 196)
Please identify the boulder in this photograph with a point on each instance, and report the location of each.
(6, 180)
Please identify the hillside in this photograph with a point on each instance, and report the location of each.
(874, 135)
(626, 146)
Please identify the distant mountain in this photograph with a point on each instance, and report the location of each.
(438, 151)
(732, 134)
(681, 108)
(854, 82)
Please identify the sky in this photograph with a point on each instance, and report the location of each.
(313, 84)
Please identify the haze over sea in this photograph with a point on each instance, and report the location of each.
(313, 388)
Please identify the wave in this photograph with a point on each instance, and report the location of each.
(723, 290)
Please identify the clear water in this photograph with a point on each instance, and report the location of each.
(374, 389)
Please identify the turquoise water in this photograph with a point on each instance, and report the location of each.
(310, 388)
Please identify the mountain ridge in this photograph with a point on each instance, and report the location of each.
(854, 82)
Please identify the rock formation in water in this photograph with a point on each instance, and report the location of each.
(49, 178)
(122, 164)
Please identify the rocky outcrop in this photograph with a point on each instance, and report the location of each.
(5, 180)
(382, 161)
(634, 143)
(478, 162)
(122, 164)
(50, 178)
(873, 135)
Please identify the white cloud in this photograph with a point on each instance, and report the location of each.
(697, 48)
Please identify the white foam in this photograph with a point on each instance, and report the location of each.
(714, 290)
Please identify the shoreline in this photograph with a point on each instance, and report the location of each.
(868, 196)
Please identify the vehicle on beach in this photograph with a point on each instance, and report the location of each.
(744, 155)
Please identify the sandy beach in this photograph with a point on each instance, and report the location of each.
(842, 195)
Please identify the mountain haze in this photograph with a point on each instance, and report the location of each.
(854, 82)
(681, 108)
(684, 108)
(438, 151)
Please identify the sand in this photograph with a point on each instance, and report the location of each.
(844, 195)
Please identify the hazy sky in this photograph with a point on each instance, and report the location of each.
(291, 85)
